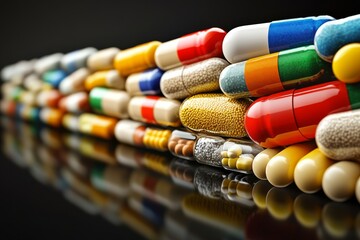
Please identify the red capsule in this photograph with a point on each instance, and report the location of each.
(292, 116)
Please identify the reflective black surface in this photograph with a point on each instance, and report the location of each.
(57, 184)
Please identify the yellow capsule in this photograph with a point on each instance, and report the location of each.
(261, 160)
(232, 162)
(346, 63)
(225, 161)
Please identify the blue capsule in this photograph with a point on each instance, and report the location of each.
(54, 77)
(144, 83)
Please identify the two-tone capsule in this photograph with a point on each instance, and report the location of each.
(190, 48)
(144, 83)
(97, 125)
(47, 63)
(109, 102)
(49, 98)
(51, 116)
(276, 72)
(54, 77)
(74, 82)
(200, 77)
(245, 42)
(106, 78)
(136, 59)
(102, 59)
(75, 103)
(155, 110)
(76, 59)
(292, 116)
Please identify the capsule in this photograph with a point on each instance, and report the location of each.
(97, 125)
(155, 110)
(109, 102)
(71, 122)
(280, 168)
(34, 83)
(102, 59)
(8, 107)
(136, 59)
(75, 103)
(337, 135)
(74, 82)
(333, 35)
(54, 77)
(292, 116)
(144, 83)
(139, 134)
(190, 48)
(29, 98)
(51, 116)
(74, 60)
(105, 78)
(188, 80)
(261, 160)
(49, 98)
(309, 171)
(214, 113)
(21, 68)
(245, 42)
(47, 63)
(11, 91)
(339, 180)
(29, 113)
(276, 72)
(346, 63)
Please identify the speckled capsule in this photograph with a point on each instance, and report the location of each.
(338, 135)
(188, 80)
(333, 35)
(215, 113)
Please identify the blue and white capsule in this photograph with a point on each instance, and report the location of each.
(144, 83)
(54, 77)
(74, 60)
(249, 41)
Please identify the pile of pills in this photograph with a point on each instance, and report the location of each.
(277, 101)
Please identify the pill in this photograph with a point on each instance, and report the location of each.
(48, 62)
(309, 171)
(208, 149)
(155, 138)
(105, 78)
(109, 102)
(339, 180)
(76, 59)
(51, 116)
(102, 59)
(8, 107)
(191, 79)
(74, 82)
(34, 83)
(29, 113)
(29, 98)
(190, 48)
(130, 132)
(337, 135)
(280, 168)
(54, 77)
(144, 83)
(244, 163)
(249, 41)
(346, 63)
(71, 122)
(333, 35)
(261, 160)
(155, 110)
(97, 125)
(20, 68)
(292, 116)
(136, 59)
(187, 139)
(49, 98)
(357, 190)
(219, 114)
(276, 72)
(75, 103)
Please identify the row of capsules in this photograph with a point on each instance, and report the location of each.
(193, 67)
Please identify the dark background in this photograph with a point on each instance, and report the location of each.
(31, 29)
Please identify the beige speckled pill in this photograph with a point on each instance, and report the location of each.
(188, 80)
(214, 113)
(339, 180)
(261, 160)
(338, 135)
(103, 59)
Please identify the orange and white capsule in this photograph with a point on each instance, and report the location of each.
(136, 59)
(71, 122)
(102, 59)
(75, 103)
(155, 110)
(106, 78)
(49, 98)
(51, 116)
(74, 82)
(97, 125)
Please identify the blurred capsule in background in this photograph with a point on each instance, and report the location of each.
(74, 82)
(51, 116)
(76, 59)
(34, 83)
(105, 78)
(17, 70)
(97, 125)
(70, 121)
(54, 77)
(47, 63)
(102, 59)
(75, 103)
(249, 41)
(49, 98)
(144, 83)
(136, 59)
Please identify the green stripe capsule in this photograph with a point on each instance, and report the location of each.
(271, 73)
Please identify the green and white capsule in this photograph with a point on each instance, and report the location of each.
(272, 73)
